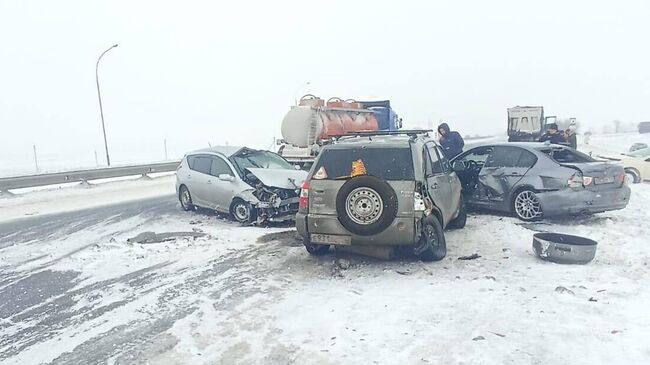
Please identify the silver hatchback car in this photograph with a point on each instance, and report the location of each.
(253, 186)
(386, 190)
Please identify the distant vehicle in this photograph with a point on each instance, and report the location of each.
(636, 164)
(386, 190)
(535, 180)
(253, 186)
(313, 122)
(644, 127)
(638, 146)
(527, 123)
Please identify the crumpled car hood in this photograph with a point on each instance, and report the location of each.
(280, 178)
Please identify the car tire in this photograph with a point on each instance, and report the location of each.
(185, 198)
(242, 211)
(461, 219)
(366, 205)
(632, 176)
(432, 245)
(526, 206)
(316, 249)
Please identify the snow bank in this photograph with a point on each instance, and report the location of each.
(78, 196)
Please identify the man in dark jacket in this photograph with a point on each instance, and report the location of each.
(553, 135)
(450, 141)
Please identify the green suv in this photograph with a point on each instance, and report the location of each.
(390, 189)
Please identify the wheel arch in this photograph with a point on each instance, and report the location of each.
(636, 172)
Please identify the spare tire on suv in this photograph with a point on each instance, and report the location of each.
(366, 205)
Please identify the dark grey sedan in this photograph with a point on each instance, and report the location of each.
(535, 180)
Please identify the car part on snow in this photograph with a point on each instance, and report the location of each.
(366, 205)
(473, 256)
(153, 237)
(432, 245)
(564, 248)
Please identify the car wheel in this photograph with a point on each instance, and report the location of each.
(242, 211)
(316, 249)
(432, 245)
(632, 176)
(461, 219)
(526, 206)
(185, 198)
(366, 205)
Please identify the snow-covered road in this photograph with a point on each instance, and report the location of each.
(74, 291)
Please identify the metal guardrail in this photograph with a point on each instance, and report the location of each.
(29, 181)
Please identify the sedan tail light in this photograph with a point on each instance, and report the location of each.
(303, 201)
(576, 181)
(621, 177)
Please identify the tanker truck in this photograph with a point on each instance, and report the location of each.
(313, 122)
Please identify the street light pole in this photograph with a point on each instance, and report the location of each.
(99, 95)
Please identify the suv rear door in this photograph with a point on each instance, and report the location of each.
(438, 183)
(334, 167)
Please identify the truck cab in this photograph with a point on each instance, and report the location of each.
(526, 123)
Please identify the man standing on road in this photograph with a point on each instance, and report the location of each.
(553, 135)
(570, 135)
(450, 141)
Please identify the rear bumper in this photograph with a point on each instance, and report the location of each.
(573, 202)
(400, 232)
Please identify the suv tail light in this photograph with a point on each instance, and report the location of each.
(621, 178)
(576, 181)
(418, 202)
(303, 201)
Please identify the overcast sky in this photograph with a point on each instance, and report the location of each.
(195, 72)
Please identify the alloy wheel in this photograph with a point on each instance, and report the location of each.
(527, 205)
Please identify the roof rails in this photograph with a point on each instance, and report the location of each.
(408, 132)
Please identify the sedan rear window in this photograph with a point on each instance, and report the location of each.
(384, 163)
(565, 155)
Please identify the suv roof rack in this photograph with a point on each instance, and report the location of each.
(408, 132)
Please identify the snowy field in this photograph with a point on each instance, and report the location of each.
(75, 291)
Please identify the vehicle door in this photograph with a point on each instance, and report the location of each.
(221, 192)
(503, 169)
(438, 185)
(454, 182)
(471, 163)
(199, 178)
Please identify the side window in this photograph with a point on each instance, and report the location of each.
(526, 160)
(190, 161)
(444, 162)
(478, 155)
(504, 157)
(202, 164)
(219, 166)
(435, 166)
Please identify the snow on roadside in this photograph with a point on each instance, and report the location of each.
(505, 307)
(77, 197)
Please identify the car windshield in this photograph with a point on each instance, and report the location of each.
(644, 152)
(566, 155)
(258, 159)
(384, 163)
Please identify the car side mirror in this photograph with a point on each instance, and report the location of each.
(458, 166)
(226, 177)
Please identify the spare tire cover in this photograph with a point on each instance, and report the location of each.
(366, 205)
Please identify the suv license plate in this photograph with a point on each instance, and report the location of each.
(331, 239)
(604, 180)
